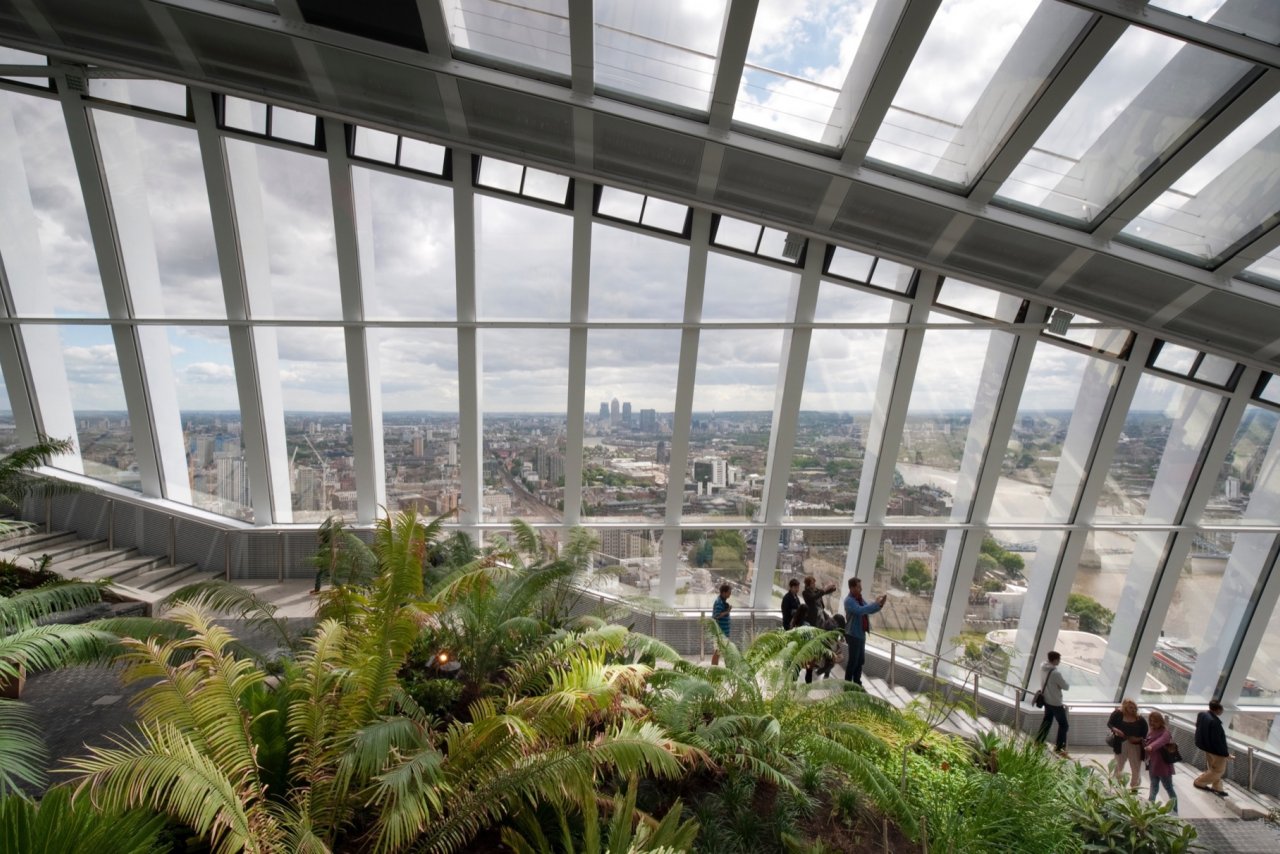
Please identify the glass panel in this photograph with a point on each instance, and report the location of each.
(411, 272)
(244, 115)
(971, 298)
(1271, 390)
(1086, 332)
(148, 94)
(893, 276)
(927, 478)
(732, 411)
(500, 175)
(1158, 452)
(1223, 198)
(317, 422)
(524, 389)
(849, 264)
(1205, 617)
(907, 562)
(946, 124)
(1146, 92)
(70, 286)
(820, 552)
(526, 32)
(375, 144)
(780, 245)
(620, 204)
(668, 216)
(97, 399)
(205, 384)
(838, 303)
(840, 383)
(547, 186)
(13, 56)
(1215, 369)
(1243, 470)
(1256, 728)
(798, 59)
(1252, 19)
(625, 454)
(8, 430)
(293, 126)
(418, 369)
(738, 289)
(737, 234)
(628, 561)
(523, 261)
(1262, 681)
(996, 596)
(422, 156)
(1062, 405)
(660, 52)
(1265, 270)
(297, 224)
(636, 277)
(154, 174)
(709, 558)
(1175, 358)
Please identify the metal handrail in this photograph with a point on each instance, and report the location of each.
(943, 659)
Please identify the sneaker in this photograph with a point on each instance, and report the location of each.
(1062, 751)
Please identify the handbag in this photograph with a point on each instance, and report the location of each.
(1115, 742)
(1170, 753)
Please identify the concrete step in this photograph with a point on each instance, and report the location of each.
(82, 565)
(879, 688)
(71, 548)
(30, 543)
(152, 590)
(125, 569)
(161, 576)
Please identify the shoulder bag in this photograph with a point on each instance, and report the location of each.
(1170, 752)
(1038, 699)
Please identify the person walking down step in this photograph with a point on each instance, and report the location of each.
(1212, 739)
(1052, 684)
(1158, 736)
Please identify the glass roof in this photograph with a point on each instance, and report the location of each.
(1224, 197)
(1147, 92)
(533, 33)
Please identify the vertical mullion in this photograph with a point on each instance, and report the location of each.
(470, 420)
(578, 339)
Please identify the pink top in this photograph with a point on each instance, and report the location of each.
(1155, 740)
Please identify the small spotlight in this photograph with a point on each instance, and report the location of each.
(443, 657)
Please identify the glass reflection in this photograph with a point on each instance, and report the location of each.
(711, 557)
(527, 32)
(97, 398)
(212, 432)
(1241, 474)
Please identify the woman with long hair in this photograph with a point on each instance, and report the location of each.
(1161, 771)
(1128, 729)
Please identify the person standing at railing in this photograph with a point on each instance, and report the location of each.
(813, 616)
(791, 607)
(857, 612)
(1212, 739)
(1052, 684)
(1158, 736)
(720, 614)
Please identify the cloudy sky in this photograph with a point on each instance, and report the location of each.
(523, 260)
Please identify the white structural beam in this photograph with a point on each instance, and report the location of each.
(699, 244)
(1097, 419)
(121, 238)
(238, 224)
(1255, 607)
(580, 275)
(1004, 375)
(34, 371)
(470, 425)
(582, 47)
(1242, 107)
(786, 410)
(731, 61)
(1263, 245)
(884, 54)
(1099, 36)
(353, 229)
(1150, 619)
(435, 30)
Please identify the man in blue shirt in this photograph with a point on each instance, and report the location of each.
(857, 612)
(720, 613)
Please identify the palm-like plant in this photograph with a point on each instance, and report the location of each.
(753, 717)
(17, 480)
(28, 645)
(60, 825)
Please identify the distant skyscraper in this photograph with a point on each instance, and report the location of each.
(615, 411)
(453, 453)
(233, 481)
(626, 413)
(649, 419)
(663, 455)
(604, 411)
(418, 446)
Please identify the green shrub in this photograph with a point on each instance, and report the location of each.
(1111, 819)
(434, 696)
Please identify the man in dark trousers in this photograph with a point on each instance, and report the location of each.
(1212, 739)
(791, 607)
(1053, 683)
(857, 612)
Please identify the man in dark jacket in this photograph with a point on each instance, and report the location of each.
(791, 606)
(1212, 740)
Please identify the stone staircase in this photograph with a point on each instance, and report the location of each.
(133, 575)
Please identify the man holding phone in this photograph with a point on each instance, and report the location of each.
(857, 612)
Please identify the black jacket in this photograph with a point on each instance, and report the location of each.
(790, 605)
(1210, 736)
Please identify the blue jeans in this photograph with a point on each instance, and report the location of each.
(1052, 713)
(857, 657)
(1168, 787)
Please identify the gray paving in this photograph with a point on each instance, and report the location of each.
(1233, 835)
